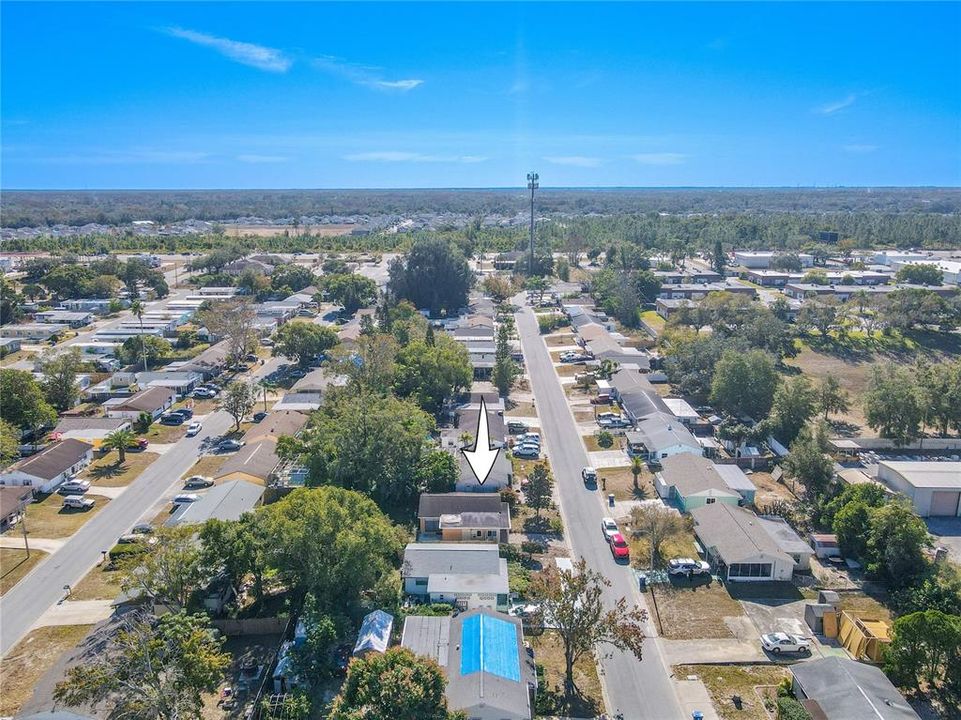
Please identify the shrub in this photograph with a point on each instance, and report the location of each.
(605, 439)
(557, 527)
(790, 709)
(125, 550)
(431, 610)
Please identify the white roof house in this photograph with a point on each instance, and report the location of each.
(472, 575)
(933, 487)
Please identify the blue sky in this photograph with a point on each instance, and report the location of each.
(251, 95)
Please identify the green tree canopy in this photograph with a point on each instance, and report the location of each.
(351, 290)
(22, 402)
(303, 341)
(434, 275)
(430, 374)
(59, 382)
(744, 383)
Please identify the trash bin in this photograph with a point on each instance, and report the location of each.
(610, 499)
(642, 582)
(697, 715)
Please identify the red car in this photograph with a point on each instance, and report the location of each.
(619, 547)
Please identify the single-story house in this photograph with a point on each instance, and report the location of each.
(257, 459)
(153, 401)
(692, 481)
(12, 501)
(74, 319)
(237, 267)
(97, 306)
(9, 345)
(298, 401)
(50, 467)
(659, 436)
(636, 396)
(464, 516)
(682, 410)
(181, 382)
(934, 488)
(91, 430)
(224, 502)
(275, 425)
(490, 675)
(33, 332)
(374, 635)
(469, 575)
(737, 545)
(836, 688)
(788, 540)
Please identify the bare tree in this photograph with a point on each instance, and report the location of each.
(658, 524)
(232, 320)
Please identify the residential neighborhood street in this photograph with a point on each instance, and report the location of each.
(30, 598)
(635, 689)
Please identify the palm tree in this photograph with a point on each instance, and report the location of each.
(137, 308)
(637, 467)
(119, 440)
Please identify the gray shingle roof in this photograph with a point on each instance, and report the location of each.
(735, 533)
(849, 690)
(692, 474)
(660, 431)
(423, 559)
(224, 502)
(433, 505)
(54, 459)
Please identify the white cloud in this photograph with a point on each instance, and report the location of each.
(262, 158)
(574, 160)
(396, 156)
(860, 149)
(258, 56)
(371, 77)
(836, 106)
(660, 158)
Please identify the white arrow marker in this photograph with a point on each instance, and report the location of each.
(482, 457)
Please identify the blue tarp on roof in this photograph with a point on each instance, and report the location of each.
(489, 644)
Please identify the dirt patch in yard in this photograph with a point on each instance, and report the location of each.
(620, 481)
(207, 465)
(586, 702)
(865, 606)
(569, 370)
(30, 660)
(521, 409)
(681, 545)
(108, 471)
(725, 681)
(769, 490)
(14, 564)
(689, 612)
(560, 340)
(49, 519)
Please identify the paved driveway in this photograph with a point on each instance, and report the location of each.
(639, 689)
(947, 533)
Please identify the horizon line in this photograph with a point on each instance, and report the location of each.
(484, 187)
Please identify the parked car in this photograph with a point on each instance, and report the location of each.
(139, 445)
(784, 642)
(588, 475)
(609, 528)
(229, 445)
(78, 502)
(142, 529)
(607, 415)
(259, 416)
(515, 426)
(297, 373)
(203, 393)
(198, 481)
(172, 419)
(185, 412)
(619, 547)
(684, 566)
(530, 437)
(251, 357)
(527, 451)
(194, 428)
(185, 498)
(267, 342)
(74, 487)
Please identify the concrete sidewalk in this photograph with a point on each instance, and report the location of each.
(76, 612)
(712, 651)
(15, 541)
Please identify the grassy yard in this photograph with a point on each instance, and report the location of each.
(165, 434)
(864, 606)
(695, 611)
(593, 446)
(655, 321)
(206, 465)
(569, 370)
(49, 519)
(98, 584)
(586, 702)
(679, 546)
(620, 481)
(14, 564)
(725, 681)
(29, 661)
(108, 471)
(560, 340)
(521, 409)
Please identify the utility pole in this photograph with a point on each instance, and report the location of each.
(532, 185)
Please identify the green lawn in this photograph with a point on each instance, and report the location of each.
(14, 565)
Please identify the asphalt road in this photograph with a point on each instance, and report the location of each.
(636, 689)
(42, 588)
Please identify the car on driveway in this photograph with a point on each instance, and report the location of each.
(527, 451)
(785, 642)
(203, 393)
(78, 502)
(138, 445)
(229, 445)
(685, 566)
(194, 428)
(259, 416)
(515, 426)
(74, 487)
(198, 481)
(609, 528)
(172, 419)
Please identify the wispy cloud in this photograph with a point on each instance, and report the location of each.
(258, 56)
(124, 157)
(837, 106)
(859, 149)
(262, 158)
(660, 158)
(574, 160)
(396, 156)
(368, 76)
